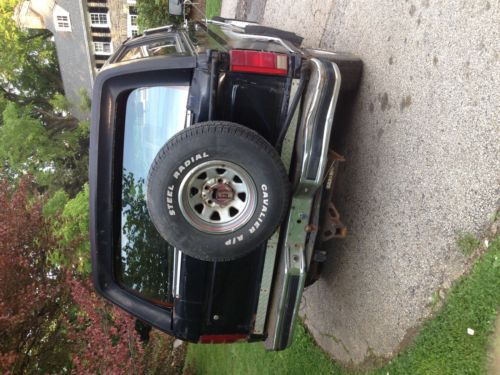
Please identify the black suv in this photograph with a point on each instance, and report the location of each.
(211, 177)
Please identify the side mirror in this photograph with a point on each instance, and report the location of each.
(176, 7)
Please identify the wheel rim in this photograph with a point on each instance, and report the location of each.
(217, 197)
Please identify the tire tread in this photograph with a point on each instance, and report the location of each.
(223, 128)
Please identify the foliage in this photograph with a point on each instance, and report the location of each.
(443, 346)
(86, 102)
(72, 230)
(55, 204)
(84, 131)
(22, 139)
(50, 319)
(104, 336)
(59, 103)
(38, 135)
(212, 8)
(39, 139)
(162, 356)
(32, 294)
(29, 73)
(56, 159)
(467, 243)
(154, 13)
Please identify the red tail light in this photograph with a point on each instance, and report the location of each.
(219, 339)
(258, 62)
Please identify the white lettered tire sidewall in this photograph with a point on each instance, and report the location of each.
(224, 142)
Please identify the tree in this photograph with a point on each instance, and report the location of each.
(50, 319)
(104, 337)
(56, 159)
(154, 13)
(38, 134)
(29, 72)
(32, 296)
(72, 229)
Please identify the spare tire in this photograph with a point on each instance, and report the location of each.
(217, 190)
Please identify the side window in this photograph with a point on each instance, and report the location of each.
(153, 115)
(166, 46)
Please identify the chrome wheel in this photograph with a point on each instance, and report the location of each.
(217, 197)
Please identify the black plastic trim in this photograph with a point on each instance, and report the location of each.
(293, 289)
(111, 87)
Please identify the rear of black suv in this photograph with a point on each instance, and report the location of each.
(160, 86)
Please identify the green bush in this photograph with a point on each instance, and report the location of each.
(55, 204)
(72, 229)
(154, 13)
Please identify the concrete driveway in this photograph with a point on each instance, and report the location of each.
(423, 159)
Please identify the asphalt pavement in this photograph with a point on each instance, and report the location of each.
(423, 159)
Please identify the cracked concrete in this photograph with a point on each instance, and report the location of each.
(423, 160)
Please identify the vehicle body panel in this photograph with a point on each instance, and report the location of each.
(226, 291)
(207, 298)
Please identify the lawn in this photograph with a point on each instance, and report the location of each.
(443, 345)
(304, 357)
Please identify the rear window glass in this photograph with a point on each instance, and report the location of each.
(153, 115)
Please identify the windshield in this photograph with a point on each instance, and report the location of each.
(153, 115)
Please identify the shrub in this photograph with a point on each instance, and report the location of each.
(154, 13)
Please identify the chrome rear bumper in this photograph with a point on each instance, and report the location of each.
(315, 126)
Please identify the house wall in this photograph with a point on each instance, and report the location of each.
(117, 30)
(73, 54)
(85, 46)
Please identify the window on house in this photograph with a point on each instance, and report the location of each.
(99, 19)
(61, 19)
(132, 29)
(103, 48)
(63, 22)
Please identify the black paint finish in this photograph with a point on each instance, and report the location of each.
(213, 298)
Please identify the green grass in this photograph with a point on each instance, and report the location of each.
(468, 243)
(303, 357)
(442, 346)
(212, 8)
(495, 349)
